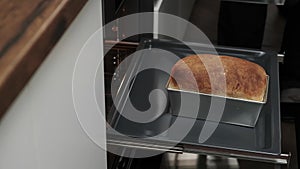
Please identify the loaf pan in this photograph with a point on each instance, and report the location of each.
(237, 111)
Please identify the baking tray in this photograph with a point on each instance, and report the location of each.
(262, 140)
(236, 111)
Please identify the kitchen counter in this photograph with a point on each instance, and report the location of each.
(28, 31)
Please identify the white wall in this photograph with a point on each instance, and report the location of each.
(40, 130)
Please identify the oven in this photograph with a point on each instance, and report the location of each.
(261, 143)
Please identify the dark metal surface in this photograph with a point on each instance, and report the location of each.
(263, 139)
(115, 9)
(236, 111)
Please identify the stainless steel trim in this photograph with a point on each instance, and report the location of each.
(254, 156)
(113, 42)
(282, 159)
(280, 58)
(145, 146)
(276, 2)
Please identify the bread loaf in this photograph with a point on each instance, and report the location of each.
(244, 79)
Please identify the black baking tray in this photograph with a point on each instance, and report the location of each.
(264, 138)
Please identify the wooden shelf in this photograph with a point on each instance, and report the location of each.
(28, 31)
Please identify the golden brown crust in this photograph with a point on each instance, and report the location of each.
(244, 79)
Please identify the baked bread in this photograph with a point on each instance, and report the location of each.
(244, 79)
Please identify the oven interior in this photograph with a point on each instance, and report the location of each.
(120, 50)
